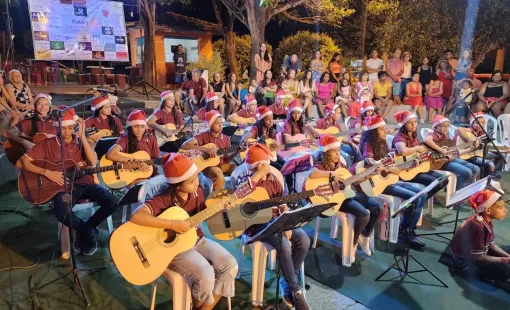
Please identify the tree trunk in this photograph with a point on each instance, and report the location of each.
(257, 21)
(149, 47)
(500, 59)
(364, 19)
(230, 48)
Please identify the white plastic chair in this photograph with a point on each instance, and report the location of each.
(504, 129)
(148, 190)
(491, 119)
(389, 140)
(393, 203)
(347, 120)
(424, 132)
(451, 131)
(181, 291)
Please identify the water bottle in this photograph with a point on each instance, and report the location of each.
(384, 234)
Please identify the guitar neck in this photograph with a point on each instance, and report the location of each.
(273, 202)
(81, 173)
(228, 150)
(204, 215)
(360, 176)
(291, 145)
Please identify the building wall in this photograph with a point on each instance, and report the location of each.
(164, 71)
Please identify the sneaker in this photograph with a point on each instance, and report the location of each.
(422, 121)
(364, 244)
(300, 302)
(286, 303)
(89, 242)
(77, 244)
(416, 242)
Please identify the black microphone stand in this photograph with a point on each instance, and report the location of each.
(67, 198)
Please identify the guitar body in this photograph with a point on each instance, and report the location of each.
(14, 150)
(205, 161)
(141, 253)
(374, 186)
(163, 138)
(230, 225)
(330, 130)
(339, 197)
(269, 142)
(285, 154)
(409, 174)
(123, 177)
(37, 189)
(470, 154)
(93, 138)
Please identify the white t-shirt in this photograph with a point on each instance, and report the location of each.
(407, 70)
(374, 64)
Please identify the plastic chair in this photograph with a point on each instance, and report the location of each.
(389, 140)
(240, 173)
(424, 132)
(181, 291)
(392, 202)
(491, 119)
(148, 190)
(347, 120)
(504, 129)
(451, 131)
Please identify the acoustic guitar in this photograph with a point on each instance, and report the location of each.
(286, 150)
(255, 208)
(479, 150)
(14, 150)
(452, 151)
(163, 138)
(98, 135)
(204, 160)
(38, 189)
(345, 189)
(142, 253)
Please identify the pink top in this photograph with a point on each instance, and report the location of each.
(395, 66)
(324, 91)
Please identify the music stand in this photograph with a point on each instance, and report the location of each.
(288, 221)
(460, 196)
(294, 165)
(103, 146)
(404, 258)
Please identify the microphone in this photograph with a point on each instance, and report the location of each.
(118, 93)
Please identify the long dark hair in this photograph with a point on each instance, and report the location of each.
(35, 118)
(174, 112)
(111, 122)
(264, 83)
(404, 131)
(379, 147)
(323, 75)
(300, 123)
(333, 59)
(260, 131)
(310, 81)
(266, 53)
(132, 141)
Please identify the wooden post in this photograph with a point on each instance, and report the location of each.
(500, 59)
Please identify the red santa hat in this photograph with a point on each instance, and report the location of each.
(331, 107)
(250, 100)
(263, 111)
(136, 117)
(211, 96)
(403, 117)
(438, 119)
(483, 200)
(177, 168)
(281, 95)
(166, 94)
(362, 90)
(98, 103)
(373, 122)
(477, 115)
(367, 105)
(211, 116)
(69, 117)
(328, 142)
(258, 154)
(43, 95)
(295, 105)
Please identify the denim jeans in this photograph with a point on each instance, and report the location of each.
(352, 152)
(93, 193)
(493, 162)
(292, 257)
(359, 206)
(466, 172)
(405, 190)
(429, 177)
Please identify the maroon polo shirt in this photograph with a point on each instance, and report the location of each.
(49, 150)
(437, 137)
(254, 132)
(200, 115)
(278, 110)
(193, 205)
(46, 127)
(165, 117)
(324, 123)
(148, 144)
(246, 114)
(99, 123)
(406, 139)
(197, 86)
(222, 141)
(287, 128)
(473, 237)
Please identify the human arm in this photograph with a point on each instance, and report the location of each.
(332, 91)
(30, 98)
(87, 149)
(204, 87)
(235, 118)
(403, 150)
(143, 217)
(497, 251)
(481, 93)
(311, 128)
(151, 122)
(464, 133)
(257, 63)
(12, 99)
(429, 141)
(505, 87)
(192, 144)
(25, 163)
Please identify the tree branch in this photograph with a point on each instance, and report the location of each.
(304, 20)
(202, 23)
(236, 9)
(284, 7)
(217, 11)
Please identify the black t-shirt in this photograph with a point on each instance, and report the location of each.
(217, 87)
(180, 63)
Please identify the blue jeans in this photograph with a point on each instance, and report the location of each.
(466, 172)
(429, 177)
(493, 162)
(359, 206)
(93, 193)
(405, 191)
(352, 152)
(292, 257)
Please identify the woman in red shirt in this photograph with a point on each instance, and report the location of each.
(41, 121)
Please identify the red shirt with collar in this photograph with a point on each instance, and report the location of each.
(324, 123)
(222, 141)
(165, 117)
(406, 139)
(193, 205)
(100, 123)
(246, 114)
(43, 126)
(49, 150)
(287, 128)
(278, 110)
(148, 144)
(473, 237)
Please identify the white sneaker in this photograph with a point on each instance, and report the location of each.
(364, 243)
(422, 121)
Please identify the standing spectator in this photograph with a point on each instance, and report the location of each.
(425, 71)
(290, 84)
(414, 96)
(452, 61)
(445, 73)
(374, 66)
(434, 97)
(263, 61)
(192, 93)
(325, 93)
(180, 61)
(335, 68)
(383, 94)
(494, 94)
(217, 86)
(363, 83)
(268, 89)
(306, 90)
(292, 62)
(395, 69)
(464, 64)
(19, 94)
(317, 66)
(407, 75)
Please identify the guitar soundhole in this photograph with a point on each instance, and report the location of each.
(341, 186)
(167, 236)
(248, 209)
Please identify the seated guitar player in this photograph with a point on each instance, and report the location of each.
(493, 162)
(114, 101)
(294, 124)
(295, 243)
(208, 266)
(367, 109)
(214, 135)
(87, 233)
(136, 139)
(466, 172)
(168, 113)
(41, 121)
(247, 115)
(278, 108)
(212, 103)
(103, 118)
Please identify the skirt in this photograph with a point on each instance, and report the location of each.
(434, 102)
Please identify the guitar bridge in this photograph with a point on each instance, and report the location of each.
(139, 251)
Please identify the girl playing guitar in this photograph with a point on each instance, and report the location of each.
(294, 126)
(103, 118)
(168, 113)
(212, 102)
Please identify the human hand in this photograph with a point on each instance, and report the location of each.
(55, 176)
(288, 234)
(210, 151)
(180, 226)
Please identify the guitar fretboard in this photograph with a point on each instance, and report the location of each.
(273, 202)
(198, 218)
(228, 150)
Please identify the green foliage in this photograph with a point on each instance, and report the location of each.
(243, 50)
(215, 64)
(303, 44)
